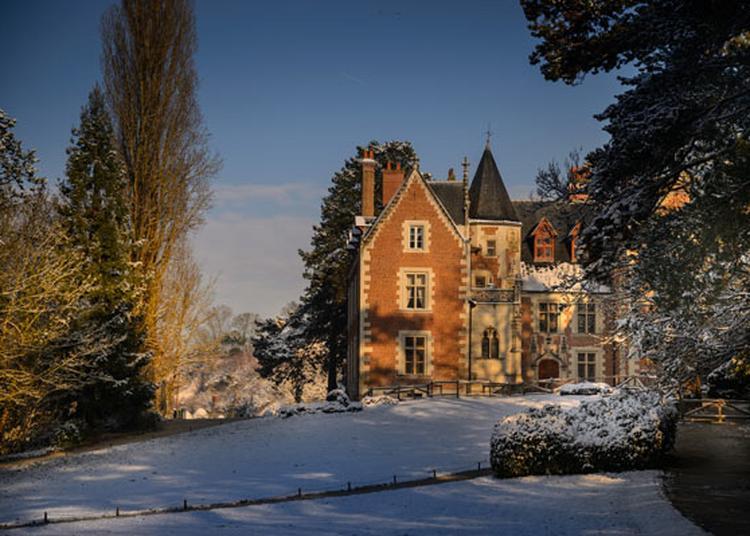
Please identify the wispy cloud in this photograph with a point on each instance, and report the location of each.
(354, 79)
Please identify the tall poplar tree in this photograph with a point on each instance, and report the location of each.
(150, 83)
(94, 210)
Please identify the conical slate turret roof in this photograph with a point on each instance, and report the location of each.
(488, 196)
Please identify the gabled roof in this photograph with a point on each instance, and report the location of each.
(544, 224)
(413, 175)
(451, 195)
(561, 215)
(488, 196)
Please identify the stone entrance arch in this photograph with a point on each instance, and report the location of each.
(548, 368)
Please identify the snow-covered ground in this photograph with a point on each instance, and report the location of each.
(626, 503)
(272, 456)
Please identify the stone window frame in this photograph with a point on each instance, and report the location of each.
(494, 248)
(548, 312)
(490, 344)
(403, 296)
(401, 352)
(406, 236)
(597, 361)
(583, 312)
(489, 280)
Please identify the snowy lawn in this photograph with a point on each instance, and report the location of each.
(272, 456)
(624, 503)
(263, 457)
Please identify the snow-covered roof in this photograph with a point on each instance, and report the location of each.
(562, 277)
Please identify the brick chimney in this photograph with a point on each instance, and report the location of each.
(368, 183)
(393, 176)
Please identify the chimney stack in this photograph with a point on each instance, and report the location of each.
(392, 179)
(368, 183)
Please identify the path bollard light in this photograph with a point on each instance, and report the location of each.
(117, 512)
(299, 492)
(184, 504)
(479, 466)
(394, 480)
(45, 518)
(348, 486)
(434, 473)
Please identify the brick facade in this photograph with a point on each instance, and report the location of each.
(385, 261)
(436, 294)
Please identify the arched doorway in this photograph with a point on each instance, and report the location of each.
(548, 368)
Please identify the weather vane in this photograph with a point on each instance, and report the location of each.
(489, 135)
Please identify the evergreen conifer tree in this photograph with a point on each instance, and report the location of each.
(679, 132)
(95, 213)
(328, 261)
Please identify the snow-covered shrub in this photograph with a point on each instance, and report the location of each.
(337, 401)
(68, 434)
(338, 395)
(730, 380)
(381, 400)
(628, 430)
(585, 388)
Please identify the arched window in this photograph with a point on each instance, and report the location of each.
(490, 344)
(495, 349)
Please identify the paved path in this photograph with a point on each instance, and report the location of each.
(709, 479)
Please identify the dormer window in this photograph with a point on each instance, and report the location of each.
(544, 241)
(543, 248)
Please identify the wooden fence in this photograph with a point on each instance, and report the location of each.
(716, 410)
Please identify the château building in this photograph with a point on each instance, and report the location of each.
(454, 281)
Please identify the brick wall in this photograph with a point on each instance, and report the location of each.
(384, 259)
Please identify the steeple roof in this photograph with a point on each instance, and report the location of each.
(488, 196)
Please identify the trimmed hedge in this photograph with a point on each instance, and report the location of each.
(625, 431)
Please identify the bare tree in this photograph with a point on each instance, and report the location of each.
(554, 183)
(150, 81)
(185, 309)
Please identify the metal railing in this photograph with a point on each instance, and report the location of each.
(492, 295)
(458, 388)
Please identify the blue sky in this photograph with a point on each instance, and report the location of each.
(289, 88)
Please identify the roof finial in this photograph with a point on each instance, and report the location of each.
(465, 165)
(416, 162)
(489, 135)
